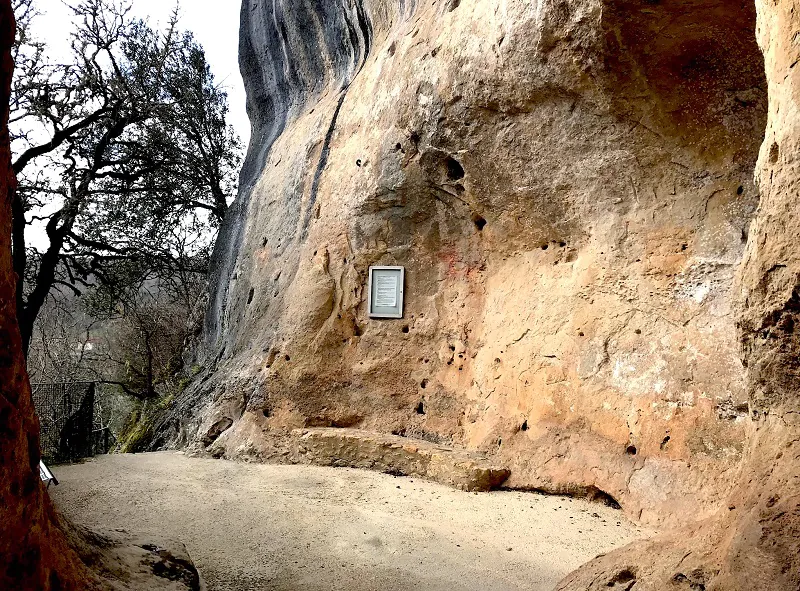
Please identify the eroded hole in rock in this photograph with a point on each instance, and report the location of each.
(524, 426)
(455, 172)
(420, 409)
(631, 450)
(664, 443)
(452, 5)
(774, 153)
(423, 384)
(216, 430)
(175, 569)
(624, 578)
(406, 329)
(347, 422)
(595, 494)
(479, 221)
(250, 295)
(694, 581)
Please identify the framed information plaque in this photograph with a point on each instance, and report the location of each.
(385, 294)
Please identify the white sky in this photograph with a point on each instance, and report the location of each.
(215, 25)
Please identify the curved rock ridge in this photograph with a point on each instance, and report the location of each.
(396, 455)
(569, 188)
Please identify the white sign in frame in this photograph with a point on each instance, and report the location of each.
(385, 292)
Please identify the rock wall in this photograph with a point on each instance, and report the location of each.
(569, 185)
(754, 540)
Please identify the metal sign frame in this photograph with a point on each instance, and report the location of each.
(396, 311)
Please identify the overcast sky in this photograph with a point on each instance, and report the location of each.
(215, 24)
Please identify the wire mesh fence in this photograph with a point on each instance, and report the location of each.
(70, 429)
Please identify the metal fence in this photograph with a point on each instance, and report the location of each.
(70, 430)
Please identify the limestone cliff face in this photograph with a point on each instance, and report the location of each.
(753, 542)
(569, 185)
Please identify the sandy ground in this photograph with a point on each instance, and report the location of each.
(253, 527)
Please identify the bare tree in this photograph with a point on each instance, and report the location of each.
(62, 347)
(146, 338)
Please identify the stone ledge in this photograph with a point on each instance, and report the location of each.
(393, 454)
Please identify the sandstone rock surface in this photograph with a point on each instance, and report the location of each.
(600, 296)
(754, 541)
(569, 187)
(392, 454)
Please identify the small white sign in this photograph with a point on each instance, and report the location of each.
(386, 291)
(45, 474)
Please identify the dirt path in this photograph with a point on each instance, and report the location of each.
(253, 527)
